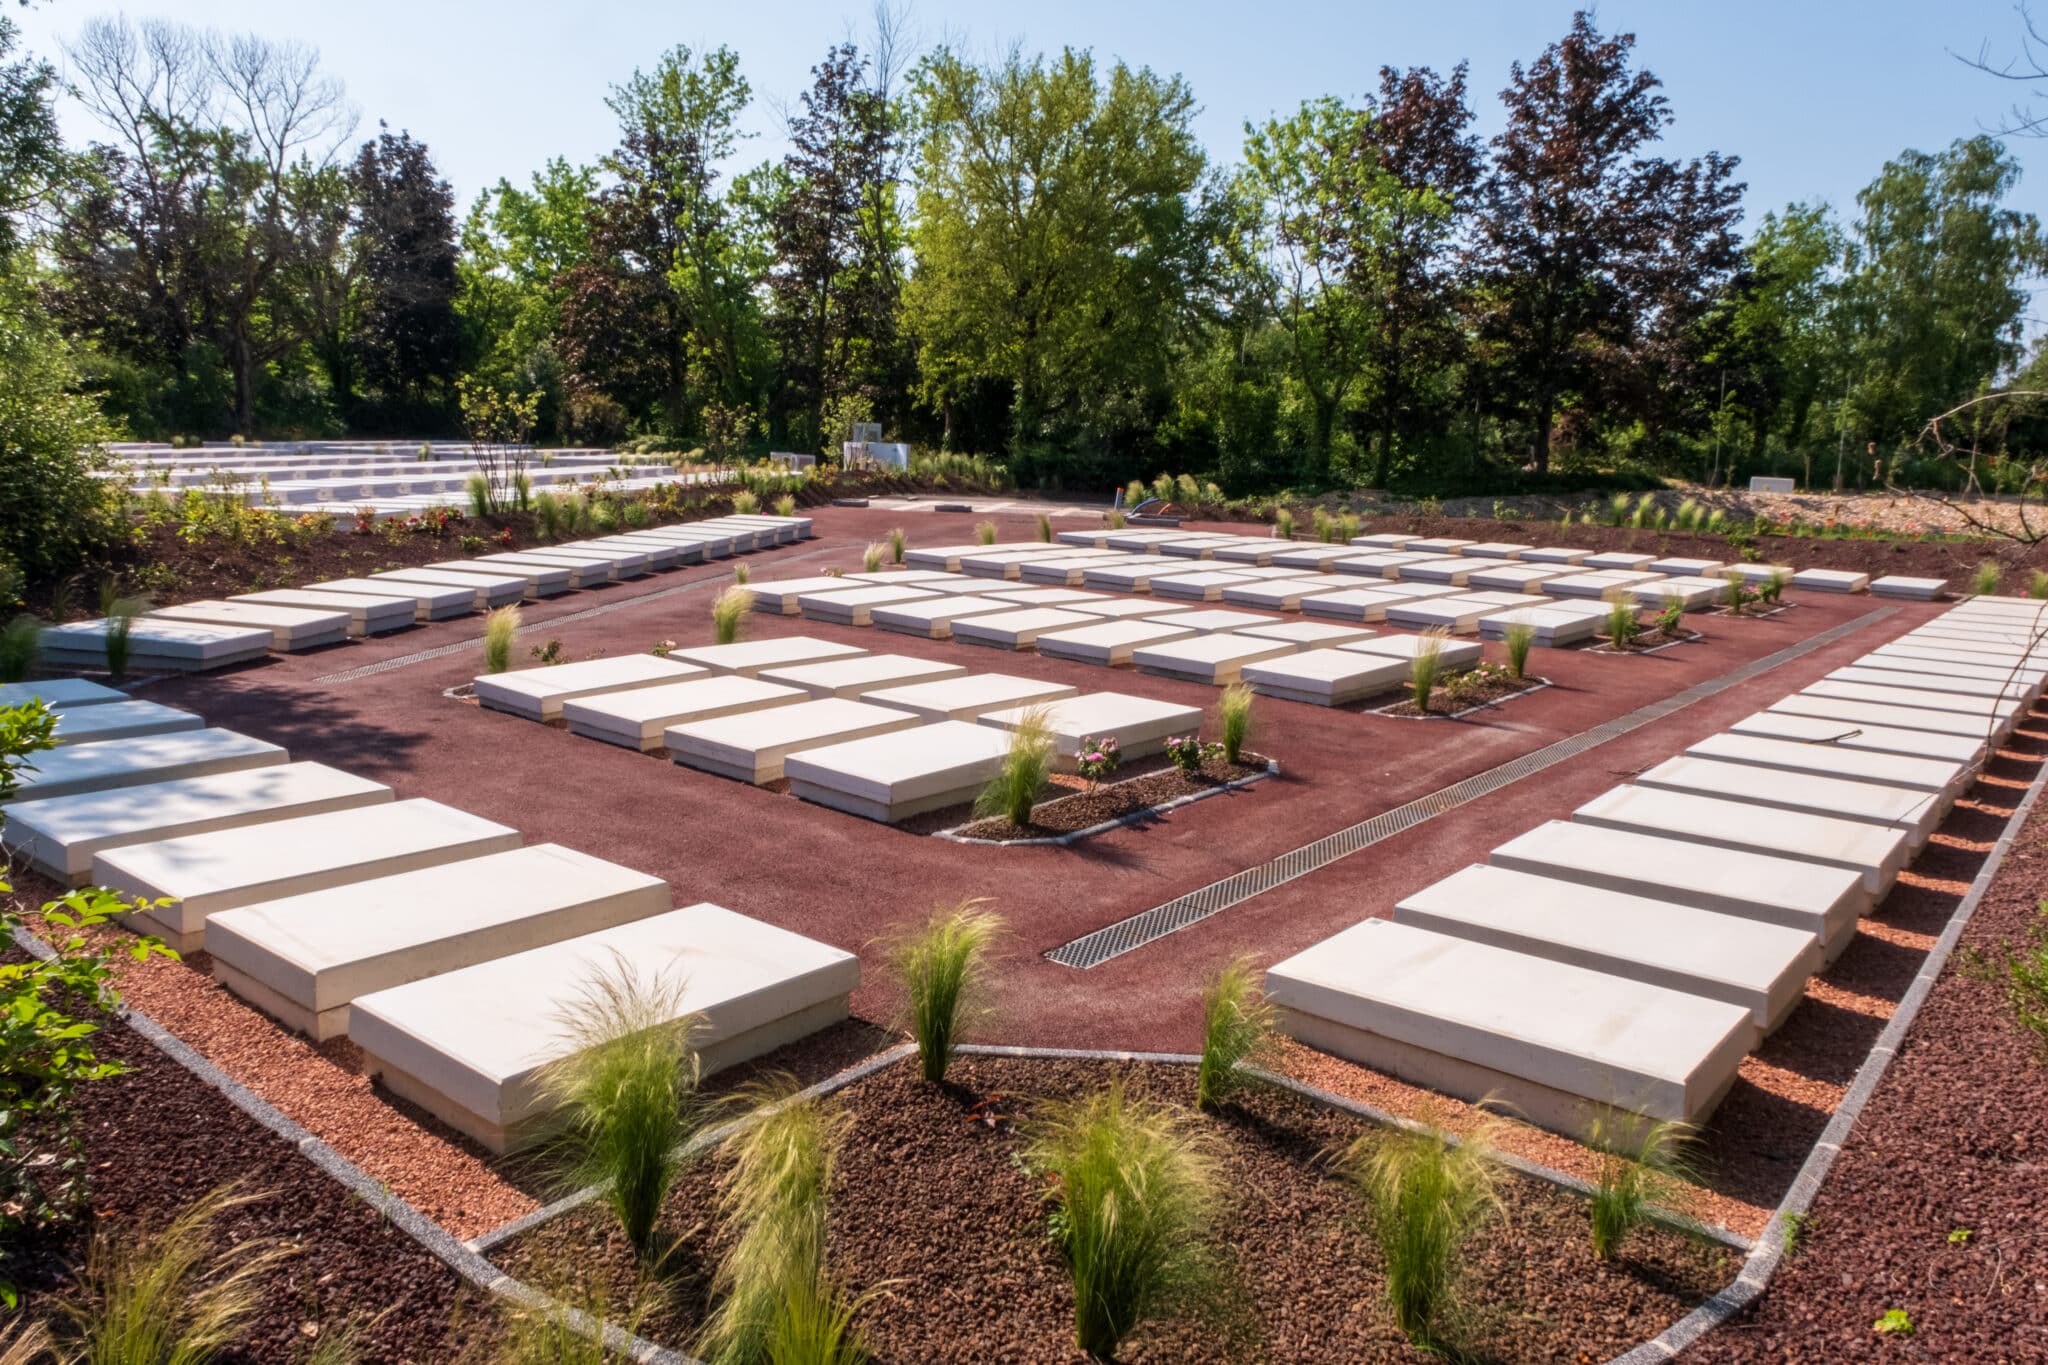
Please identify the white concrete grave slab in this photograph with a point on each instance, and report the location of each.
(1196, 587)
(1249, 551)
(1808, 896)
(155, 645)
(636, 717)
(1756, 575)
(1761, 967)
(1830, 580)
(1870, 676)
(542, 580)
(1908, 588)
(1386, 564)
(1454, 570)
(1915, 774)
(492, 590)
(1064, 598)
(751, 745)
(1555, 626)
(1969, 646)
(1307, 634)
(662, 555)
(226, 868)
(1194, 546)
(854, 606)
(969, 696)
(579, 573)
(1908, 655)
(1134, 576)
(115, 763)
(894, 776)
(1912, 813)
(1459, 615)
(538, 693)
(1272, 573)
(1595, 584)
(1982, 726)
(467, 1045)
(1214, 659)
(1128, 608)
(431, 602)
(865, 673)
(932, 617)
(1370, 604)
(1291, 555)
(1623, 560)
(749, 658)
(59, 694)
(1682, 566)
(291, 628)
(368, 614)
(301, 959)
(1521, 578)
(1007, 561)
(920, 577)
(1143, 539)
(1325, 677)
(1065, 573)
(1495, 549)
(1874, 852)
(1109, 643)
(1452, 655)
(1561, 1045)
(778, 597)
(624, 563)
(1209, 621)
(1093, 540)
(61, 836)
(1438, 545)
(1281, 594)
(122, 720)
(1385, 540)
(1555, 554)
(2016, 640)
(1878, 739)
(1140, 725)
(1017, 629)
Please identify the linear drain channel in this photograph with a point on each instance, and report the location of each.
(1148, 926)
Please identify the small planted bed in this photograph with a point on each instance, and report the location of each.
(1473, 689)
(1069, 804)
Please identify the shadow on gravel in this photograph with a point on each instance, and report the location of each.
(314, 726)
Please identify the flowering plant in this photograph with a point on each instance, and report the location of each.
(1097, 759)
(1188, 753)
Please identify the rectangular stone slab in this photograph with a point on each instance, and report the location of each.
(1196, 587)
(1694, 594)
(1913, 814)
(1811, 897)
(1281, 594)
(1559, 1043)
(291, 628)
(1129, 608)
(242, 865)
(750, 746)
(301, 959)
(1385, 564)
(122, 720)
(542, 580)
(1325, 677)
(1297, 556)
(1756, 575)
(114, 763)
(1909, 588)
(59, 694)
(1249, 551)
(895, 776)
(1453, 570)
(1921, 683)
(1555, 554)
(852, 606)
(636, 717)
(1874, 852)
(750, 657)
(1983, 728)
(933, 617)
(1494, 549)
(866, 673)
(1929, 776)
(1213, 619)
(492, 590)
(1108, 644)
(1355, 604)
(969, 696)
(1919, 659)
(624, 563)
(1974, 646)
(1016, 629)
(1519, 578)
(580, 573)
(1759, 967)
(431, 601)
(915, 577)
(1873, 738)
(1066, 599)
(778, 597)
(1438, 545)
(1618, 559)
(1681, 566)
(1307, 634)
(1555, 626)
(467, 1045)
(1089, 539)
(538, 693)
(945, 558)
(662, 555)
(1065, 573)
(1136, 576)
(1214, 659)
(1390, 540)
(1597, 583)
(1451, 654)
(1140, 725)
(367, 614)
(1459, 615)
(155, 645)
(61, 836)
(1830, 580)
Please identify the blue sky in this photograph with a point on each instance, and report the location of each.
(1812, 96)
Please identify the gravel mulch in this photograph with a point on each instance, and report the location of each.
(931, 1203)
(1155, 782)
(1464, 692)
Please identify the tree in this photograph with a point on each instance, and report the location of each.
(406, 339)
(1585, 248)
(1773, 340)
(32, 160)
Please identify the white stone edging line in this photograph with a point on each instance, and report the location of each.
(953, 835)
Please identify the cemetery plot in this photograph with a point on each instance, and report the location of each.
(750, 746)
(1140, 725)
(1896, 809)
(635, 719)
(122, 720)
(538, 693)
(368, 614)
(892, 777)
(933, 617)
(866, 673)
(751, 657)
(1325, 677)
(79, 768)
(1214, 659)
(967, 697)
(1108, 644)
(431, 601)
(291, 628)
(1015, 630)
(854, 606)
(155, 645)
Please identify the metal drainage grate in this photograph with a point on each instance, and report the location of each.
(1148, 926)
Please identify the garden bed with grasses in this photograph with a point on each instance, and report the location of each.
(1071, 804)
(1475, 689)
(939, 1235)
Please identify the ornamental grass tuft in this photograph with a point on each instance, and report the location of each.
(1641, 1164)
(1013, 791)
(1426, 1193)
(985, 532)
(1987, 579)
(1234, 718)
(499, 628)
(898, 543)
(944, 967)
(1238, 1025)
(728, 611)
(1518, 639)
(1425, 667)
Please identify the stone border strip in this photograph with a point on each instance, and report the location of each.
(1769, 1252)
(953, 835)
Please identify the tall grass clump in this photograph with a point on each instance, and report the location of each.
(1283, 524)
(944, 969)
(1426, 1194)
(898, 543)
(728, 610)
(479, 489)
(745, 503)
(1519, 638)
(1013, 791)
(1237, 1026)
(785, 506)
(547, 516)
(985, 532)
(170, 1299)
(1737, 593)
(1623, 623)
(499, 628)
(1135, 1186)
(1234, 717)
(1325, 530)
(626, 1082)
(871, 558)
(1987, 579)
(548, 1335)
(1044, 527)
(636, 515)
(19, 641)
(119, 614)
(1424, 668)
(1618, 508)
(1640, 1164)
(1347, 527)
(741, 573)
(1115, 519)
(2037, 585)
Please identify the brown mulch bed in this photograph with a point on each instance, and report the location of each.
(935, 1208)
(1648, 641)
(1463, 692)
(1153, 782)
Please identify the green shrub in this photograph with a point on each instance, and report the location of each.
(1013, 791)
(19, 641)
(1671, 618)
(1987, 579)
(1237, 1026)
(1347, 527)
(985, 532)
(785, 506)
(1325, 529)
(1426, 1194)
(636, 515)
(898, 543)
(728, 611)
(1234, 717)
(56, 512)
(626, 1084)
(1519, 638)
(1772, 589)
(577, 517)
(1135, 1188)
(1425, 666)
(547, 516)
(944, 970)
(745, 504)
(1641, 1163)
(499, 628)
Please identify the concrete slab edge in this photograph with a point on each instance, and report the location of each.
(1769, 1251)
(1134, 817)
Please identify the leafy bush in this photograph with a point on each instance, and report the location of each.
(745, 503)
(1738, 595)
(546, 655)
(1013, 791)
(1427, 1194)
(1135, 1187)
(1424, 667)
(1188, 753)
(985, 532)
(56, 512)
(1641, 1163)
(1671, 618)
(626, 1084)
(728, 611)
(1237, 1026)
(1098, 759)
(499, 628)
(635, 515)
(1773, 588)
(1234, 716)
(944, 970)
(19, 641)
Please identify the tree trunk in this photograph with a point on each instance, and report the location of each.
(1382, 464)
(245, 385)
